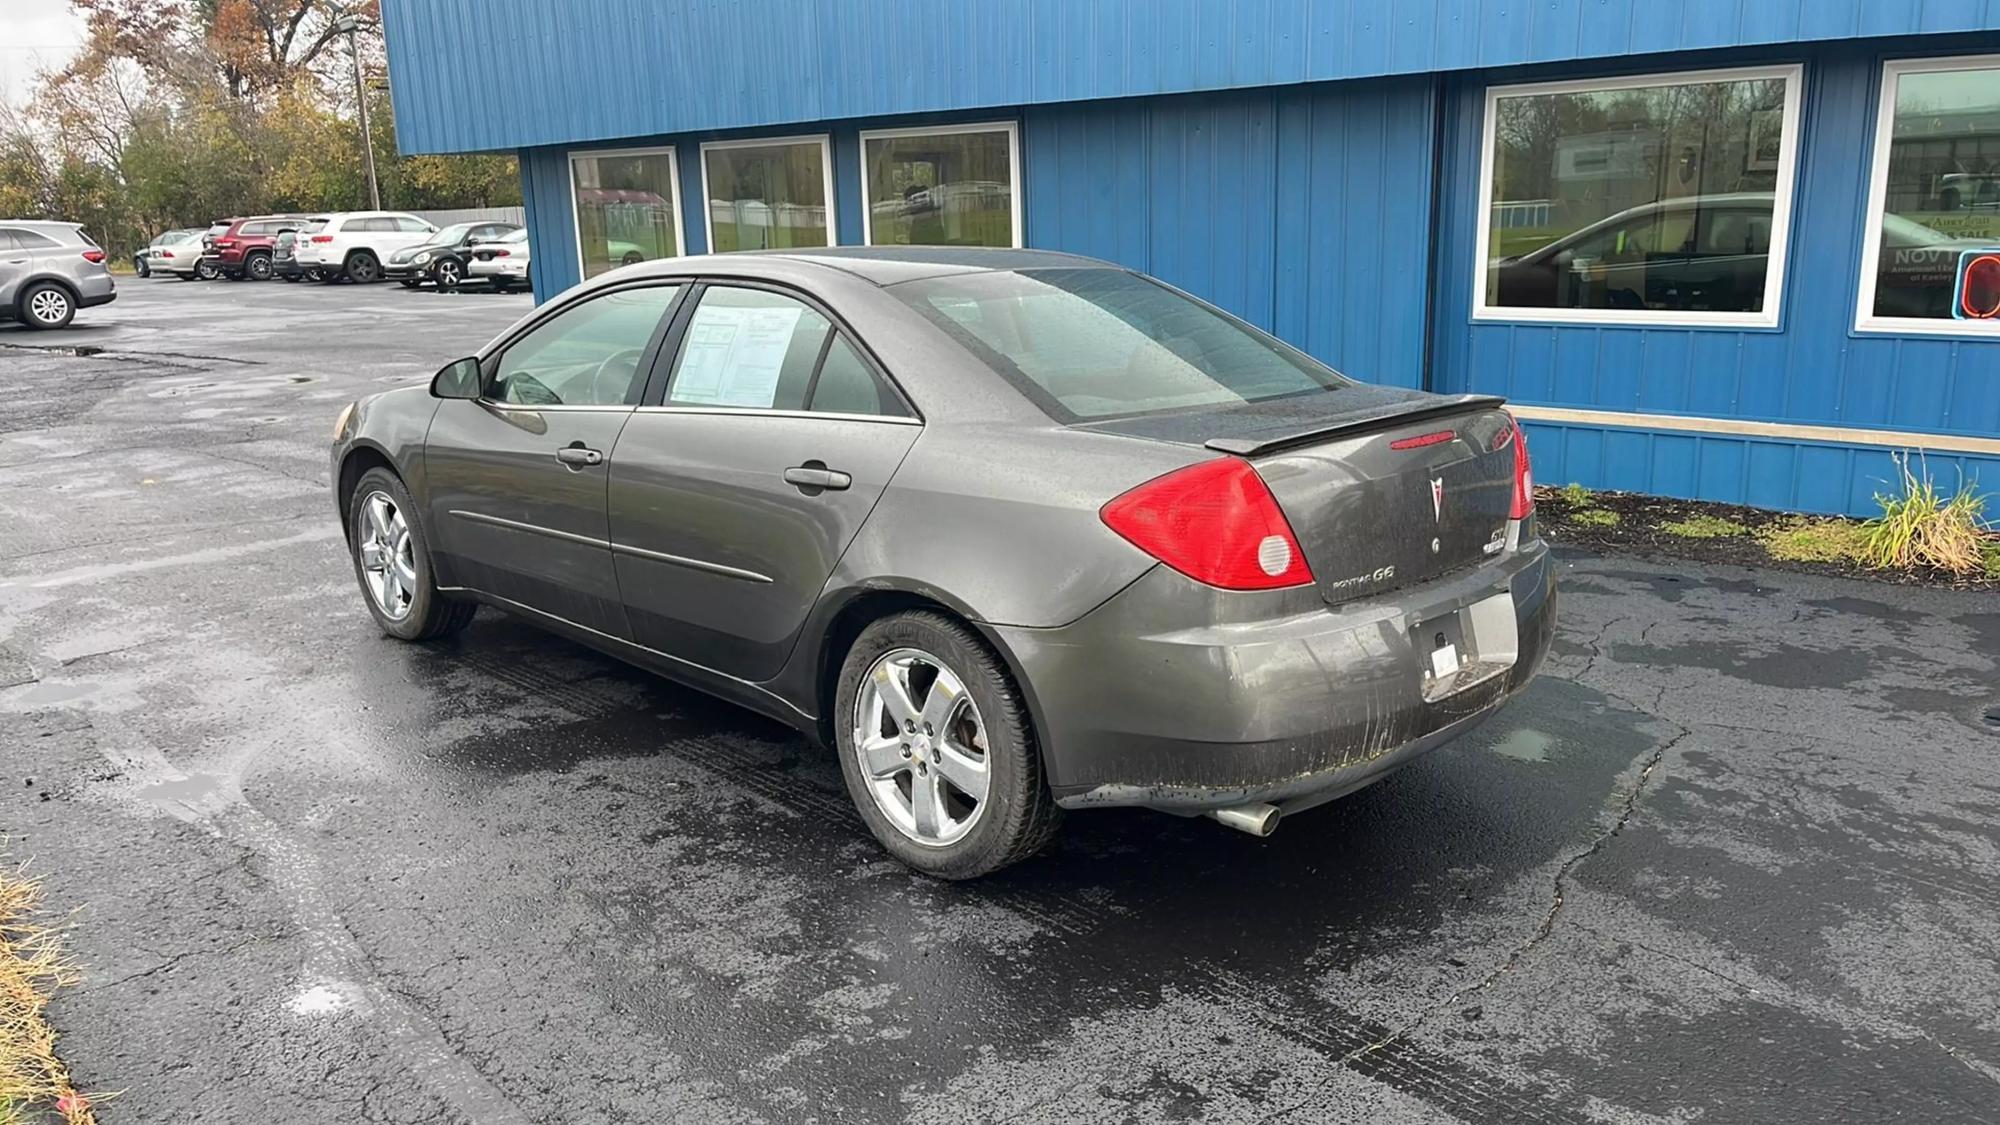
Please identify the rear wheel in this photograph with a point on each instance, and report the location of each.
(363, 267)
(448, 273)
(258, 266)
(502, 284)
(408, 282)
(392, 561)
(936, 748)
(46, 305)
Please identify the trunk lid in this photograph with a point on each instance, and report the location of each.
(1384, 488)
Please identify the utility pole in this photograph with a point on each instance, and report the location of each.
(350, 25)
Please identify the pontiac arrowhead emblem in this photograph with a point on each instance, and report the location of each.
(1437, 498)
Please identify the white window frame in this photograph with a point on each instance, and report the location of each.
(673, 197)
(1865, 319)
(825, 143)
(1011, 128)
(1785, 197)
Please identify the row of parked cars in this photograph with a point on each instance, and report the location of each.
(356, 246)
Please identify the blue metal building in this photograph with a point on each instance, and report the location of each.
(1698, 243)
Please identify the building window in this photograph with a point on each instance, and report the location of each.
(950, 185)
(768, 194)
(627, 207)
(1654, 200)
(1935, 192)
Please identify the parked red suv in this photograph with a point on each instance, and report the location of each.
(243, 248)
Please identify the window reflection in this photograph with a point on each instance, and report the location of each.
(1942, 193)
(941, 189)
(625, 209)
(1658, 197)
(767, 196)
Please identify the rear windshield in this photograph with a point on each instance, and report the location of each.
(1097, 343)
(218, 230)
(314, 227)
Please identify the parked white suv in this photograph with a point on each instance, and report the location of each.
(353, 244)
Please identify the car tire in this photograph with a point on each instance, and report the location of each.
(502, 284)
(401, 594)
(631, 258)
(206, 271)
(363, 267)
(258, 267)
(448, 273)
(1016, 817)
(408, 282)
(141, 267)
(45, 305)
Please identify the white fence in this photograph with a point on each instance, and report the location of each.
(474, 214)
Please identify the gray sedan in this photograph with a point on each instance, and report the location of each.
(1015, 532)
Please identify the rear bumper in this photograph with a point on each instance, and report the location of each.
(1291, 709)
(92, 300)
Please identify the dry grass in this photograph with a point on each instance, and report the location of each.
(1921, 529)
(33, 965)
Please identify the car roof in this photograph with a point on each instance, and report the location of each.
(882, 265)
(42, 224)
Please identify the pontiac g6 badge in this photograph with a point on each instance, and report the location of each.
(1437, 498)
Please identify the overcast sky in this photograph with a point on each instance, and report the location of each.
(34, 34)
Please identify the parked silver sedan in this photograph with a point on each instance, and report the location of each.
(1015, 531)
(48, 270)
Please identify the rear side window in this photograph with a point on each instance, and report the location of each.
(7, 240)
(29, 240)
(748, 348)
(847, 385)
(1100, 342)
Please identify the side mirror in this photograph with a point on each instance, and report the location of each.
(457, 379)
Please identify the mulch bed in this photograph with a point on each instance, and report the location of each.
(1640, 531)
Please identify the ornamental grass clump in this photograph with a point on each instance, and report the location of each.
(1921, 529)
(33, 965)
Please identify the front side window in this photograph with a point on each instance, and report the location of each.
(1935, 192)
(1656, 200)
(953, 186)
(768, 195)
(1094, 343)
(586, 355)
(627, 207)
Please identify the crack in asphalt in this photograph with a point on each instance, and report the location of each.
(1626, 809)
(171, 962)
(163, 359)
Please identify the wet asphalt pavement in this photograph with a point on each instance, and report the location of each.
(1732, 858)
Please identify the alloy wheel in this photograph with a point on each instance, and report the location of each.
(49, 306)
(447, 273)
(388, 556)
(922, 747)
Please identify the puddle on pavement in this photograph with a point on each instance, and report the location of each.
(191, 792)
(51, 692)
(1525, 745)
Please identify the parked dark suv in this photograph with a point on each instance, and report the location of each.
(244, 249)
(441, 258)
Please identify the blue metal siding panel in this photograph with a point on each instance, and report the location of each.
(588, 70)
(1301, 211)
(1814, 370)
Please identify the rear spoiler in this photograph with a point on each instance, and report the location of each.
(1357, 422)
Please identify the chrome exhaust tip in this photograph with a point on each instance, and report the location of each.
(1258, 819)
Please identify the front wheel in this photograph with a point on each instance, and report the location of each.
(47, 305)
(392, 561)
(937, 750)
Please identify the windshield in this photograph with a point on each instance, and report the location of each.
(1092, 343)
(448, 235)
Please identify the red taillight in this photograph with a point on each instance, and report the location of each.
(93, 255)
(1524, 476)
(502, 253)
(225, 243)
(322, 238)
(1215, 522)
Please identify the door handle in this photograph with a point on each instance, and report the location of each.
(576, 456)
(814, 477)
